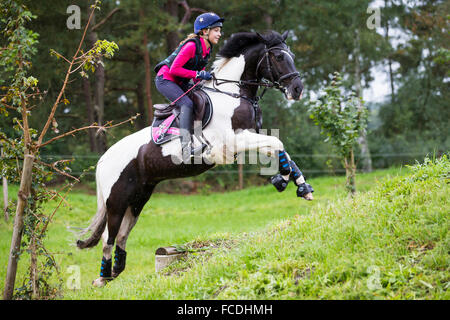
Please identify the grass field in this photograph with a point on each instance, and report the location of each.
(389, 242)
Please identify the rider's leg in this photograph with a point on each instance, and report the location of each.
(186, 130)
(173, 91)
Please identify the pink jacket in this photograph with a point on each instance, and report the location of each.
(177, 71)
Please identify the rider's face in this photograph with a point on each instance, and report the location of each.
(214, 35)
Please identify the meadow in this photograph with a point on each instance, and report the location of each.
(388, 242)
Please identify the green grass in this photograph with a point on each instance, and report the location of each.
(389, 242)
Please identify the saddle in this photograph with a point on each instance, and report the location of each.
(165, 126)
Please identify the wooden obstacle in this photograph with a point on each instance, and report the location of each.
(166, 256)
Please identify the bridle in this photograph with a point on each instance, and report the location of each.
(269, 67)
(270, 83)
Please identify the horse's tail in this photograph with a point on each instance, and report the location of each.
(98, 223)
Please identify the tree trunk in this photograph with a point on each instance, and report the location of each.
(148, 77)
(386, 36)
(241, 176)
(90, 113)
(24, 191)
(33, 267)
(5, 193)
(362, 140)
(350, 173)
(99, 92)
(140, 106)
(5, 198)
(172, 37)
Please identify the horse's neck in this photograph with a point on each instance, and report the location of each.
(234, 69)
(229, 69)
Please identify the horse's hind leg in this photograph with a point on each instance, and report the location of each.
(120, 231)
(115, 216)
(131, 216)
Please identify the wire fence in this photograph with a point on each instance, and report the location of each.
(404, 158)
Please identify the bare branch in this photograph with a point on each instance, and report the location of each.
(108, 125)
(59, 55)
(55, 105)
(8, 106)
(53, 166)
(98, 25)
(188, 11)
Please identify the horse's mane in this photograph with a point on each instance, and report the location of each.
(238, 42)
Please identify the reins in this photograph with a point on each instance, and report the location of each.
(266, 84)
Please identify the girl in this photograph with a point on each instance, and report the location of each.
(188, 62)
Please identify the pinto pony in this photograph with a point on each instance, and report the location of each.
(129, 171)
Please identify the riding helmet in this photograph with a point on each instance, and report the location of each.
(207, 20)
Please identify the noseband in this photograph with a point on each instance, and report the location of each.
(270, 67)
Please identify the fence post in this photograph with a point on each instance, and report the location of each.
(241, 176)
(5, 194)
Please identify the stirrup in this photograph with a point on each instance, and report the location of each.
(187, 156)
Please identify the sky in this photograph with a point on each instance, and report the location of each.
(380, 87)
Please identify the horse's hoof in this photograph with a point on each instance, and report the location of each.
(308, 196)
(100, 282)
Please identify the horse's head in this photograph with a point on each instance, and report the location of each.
(276, 63)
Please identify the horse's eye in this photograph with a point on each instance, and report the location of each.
(279, 57)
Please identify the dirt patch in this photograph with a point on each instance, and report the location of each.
(421, 247)
(303, 274)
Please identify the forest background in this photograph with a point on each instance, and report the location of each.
(395, 54)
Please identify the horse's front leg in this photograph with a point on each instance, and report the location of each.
(291, 172)
(273, 147)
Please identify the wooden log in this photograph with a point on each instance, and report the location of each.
(168, 251)
(167, 255)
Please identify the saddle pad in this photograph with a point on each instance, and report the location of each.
(165, 130)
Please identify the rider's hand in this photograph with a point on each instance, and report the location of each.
(204, 75)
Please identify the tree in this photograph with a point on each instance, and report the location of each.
(18, 92)
(341, 119)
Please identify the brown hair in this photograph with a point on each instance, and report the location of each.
(190, 36)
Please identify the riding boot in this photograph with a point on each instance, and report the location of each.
(186, 120)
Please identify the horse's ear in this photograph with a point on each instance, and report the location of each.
(261, 38)
(285, 35)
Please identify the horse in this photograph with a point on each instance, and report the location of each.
(128, 172)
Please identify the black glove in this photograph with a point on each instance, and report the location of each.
(204, 75)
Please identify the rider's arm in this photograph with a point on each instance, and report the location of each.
(187, 52)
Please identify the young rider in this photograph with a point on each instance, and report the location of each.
(188, 62)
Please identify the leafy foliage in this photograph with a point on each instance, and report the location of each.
(341, 119)
(18, 91)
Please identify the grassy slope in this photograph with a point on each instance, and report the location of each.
(283, 247)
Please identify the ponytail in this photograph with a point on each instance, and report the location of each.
(190, 36)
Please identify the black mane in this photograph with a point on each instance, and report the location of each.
(238, 42)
